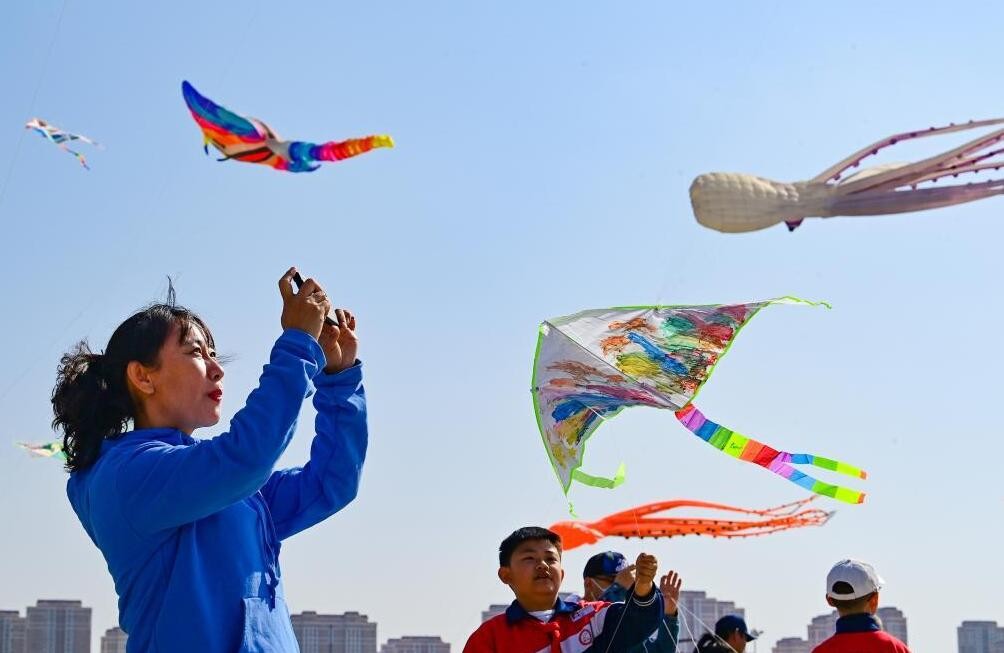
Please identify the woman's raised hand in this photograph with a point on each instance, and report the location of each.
(339, 342)
(304, 309)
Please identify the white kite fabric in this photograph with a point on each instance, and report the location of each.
(591, 365)
(60, 138)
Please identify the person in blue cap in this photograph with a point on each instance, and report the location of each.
(607, 576)
(731, 634)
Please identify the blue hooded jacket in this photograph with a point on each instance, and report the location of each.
(191, 529)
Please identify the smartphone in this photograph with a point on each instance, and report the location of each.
(298, 280)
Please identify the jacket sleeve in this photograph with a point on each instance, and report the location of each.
(629, 624)
(164, 486)
(667, 636)
(301, 497)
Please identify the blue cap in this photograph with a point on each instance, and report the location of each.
(731, 623)
(607, 563)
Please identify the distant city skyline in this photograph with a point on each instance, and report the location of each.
(64, 626)
(822, 627)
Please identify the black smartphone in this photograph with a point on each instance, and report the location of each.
(298, 280)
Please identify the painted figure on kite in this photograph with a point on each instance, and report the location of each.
(252, 141)
(639, 522)
(58, 137)
(735, 202)
(594, 364)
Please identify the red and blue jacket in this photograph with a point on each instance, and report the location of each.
(861, 632)
(594, 626)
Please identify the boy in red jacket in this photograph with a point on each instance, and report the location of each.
(852, 587)
(539, 622)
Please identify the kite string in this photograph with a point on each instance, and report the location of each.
(630, 598)
(34, 97)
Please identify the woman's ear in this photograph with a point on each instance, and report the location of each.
(139, 379)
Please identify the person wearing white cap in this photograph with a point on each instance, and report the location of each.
(852, 587)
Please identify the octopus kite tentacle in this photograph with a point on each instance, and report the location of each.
(639, 522)
(735, 202)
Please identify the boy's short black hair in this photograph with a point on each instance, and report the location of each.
(525, 534)
(850, 606)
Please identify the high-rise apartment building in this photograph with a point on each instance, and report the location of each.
(698, 614)
(335, 633)
(114, 641)
(494, 610)
(893, 622)
(980, 637)
(13, 632)
(415, 645)
(58, 627)
(791, 645)
(822, 628)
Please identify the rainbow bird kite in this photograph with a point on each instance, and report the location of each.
(252, 141)
(594, 364)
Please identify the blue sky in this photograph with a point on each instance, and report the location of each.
(543, 158)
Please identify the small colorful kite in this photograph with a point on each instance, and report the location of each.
(734, 202)
(52, 449)
(638, 522)
(594, 364)
(59, 137)
(252, 141)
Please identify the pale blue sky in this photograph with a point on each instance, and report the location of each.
(543, 160)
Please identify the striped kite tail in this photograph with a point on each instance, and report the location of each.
(779, 462)
(338, 150)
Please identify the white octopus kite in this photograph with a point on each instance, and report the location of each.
(735, 202)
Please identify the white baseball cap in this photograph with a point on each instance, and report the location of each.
(860, 576)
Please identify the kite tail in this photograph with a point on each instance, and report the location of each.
(80, 157)
(779, 462)
(338, 150)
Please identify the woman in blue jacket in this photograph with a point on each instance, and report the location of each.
(191, 529)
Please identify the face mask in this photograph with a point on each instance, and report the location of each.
(614, 594)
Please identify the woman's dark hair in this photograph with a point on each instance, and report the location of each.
(91, 400)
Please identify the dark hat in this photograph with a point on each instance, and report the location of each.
(607, 563)
(731, 623)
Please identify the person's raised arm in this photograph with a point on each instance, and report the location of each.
(164, 485)
(668, 635)
(301, 497)
(628, 624)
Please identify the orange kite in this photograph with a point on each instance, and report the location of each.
(637, 522)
